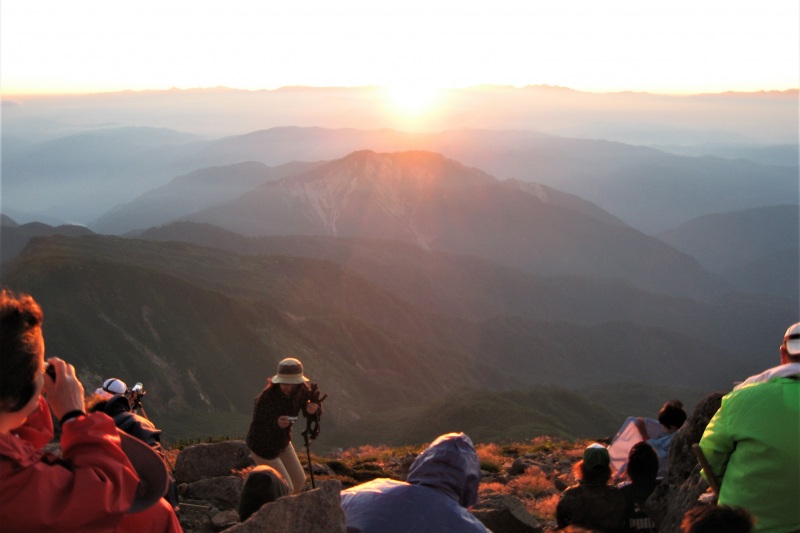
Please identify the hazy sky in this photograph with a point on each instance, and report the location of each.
(669, 46)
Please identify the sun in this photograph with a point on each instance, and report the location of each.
(412, 99)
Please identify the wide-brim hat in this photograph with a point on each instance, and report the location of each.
(152, 472)
(290, 370)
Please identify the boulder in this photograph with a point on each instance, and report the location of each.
(318, 510)
(501, 512)
(211, 460)
(683, 485)
(221, 492)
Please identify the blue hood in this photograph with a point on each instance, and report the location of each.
(449, 465)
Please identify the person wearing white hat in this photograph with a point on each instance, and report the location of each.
(752, 444)
(112, 387)
(275, 411)
(790, 359)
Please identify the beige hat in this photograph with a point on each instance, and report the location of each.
(290, 370)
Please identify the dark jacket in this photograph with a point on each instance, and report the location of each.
(119, 408)
(635, 516)
(265, 438)
(594, 506)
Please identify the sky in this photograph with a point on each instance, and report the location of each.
(412, 46)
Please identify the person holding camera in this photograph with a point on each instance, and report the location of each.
(275, 412)
(103, 480)
(117, 401)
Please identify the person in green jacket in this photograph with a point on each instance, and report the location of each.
(752, 446)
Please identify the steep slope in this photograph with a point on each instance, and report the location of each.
(191, 192)
(435, 203)
(14, 237)
(475, 289)
(721, 241)
(203, 328)
(756, 250)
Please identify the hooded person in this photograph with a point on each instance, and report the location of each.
(441, 485)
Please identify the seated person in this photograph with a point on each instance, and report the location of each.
(441, 484)
(671, 416)
(263, 484)
(93, 486)
(642, 470)
(592, 503)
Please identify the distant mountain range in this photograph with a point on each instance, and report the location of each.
(423, 278)
(438, 204)
(648, 189)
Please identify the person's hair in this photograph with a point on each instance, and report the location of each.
(95, 402)
(20, 344)
(599, 475)
(717, 519)
(672, 414)
(642, 463)
(263, 484)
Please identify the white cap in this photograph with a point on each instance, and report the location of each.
(115, 386)
(792, 339)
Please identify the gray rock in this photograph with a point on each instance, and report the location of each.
(506, 514)
(211, 460)
(195, 518)
(683, 485)
(224, 519)
(318, 510)
(222, 492)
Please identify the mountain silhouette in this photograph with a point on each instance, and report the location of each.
(438, 204)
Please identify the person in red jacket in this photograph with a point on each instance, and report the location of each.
(93, 486)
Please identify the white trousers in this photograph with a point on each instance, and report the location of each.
(288, 465)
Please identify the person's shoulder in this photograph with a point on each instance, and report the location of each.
(376, 483)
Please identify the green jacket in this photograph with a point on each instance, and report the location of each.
(753, 448)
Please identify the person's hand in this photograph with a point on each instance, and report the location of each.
(66, 393)
(284, 422)
(641, 427)
(311, 408)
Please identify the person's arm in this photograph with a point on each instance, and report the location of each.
(91, 488)
(642, 427)
(565, 508)
(717, 444)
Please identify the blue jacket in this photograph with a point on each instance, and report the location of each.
(442, 483)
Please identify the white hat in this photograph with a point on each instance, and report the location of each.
(115, 386)
(792, 339)
(290, 370)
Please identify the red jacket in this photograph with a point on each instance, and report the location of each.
(90, 489)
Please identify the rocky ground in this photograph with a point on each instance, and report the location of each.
(521, 486)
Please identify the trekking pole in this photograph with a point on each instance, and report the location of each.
(308, 453)
(706, 468)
